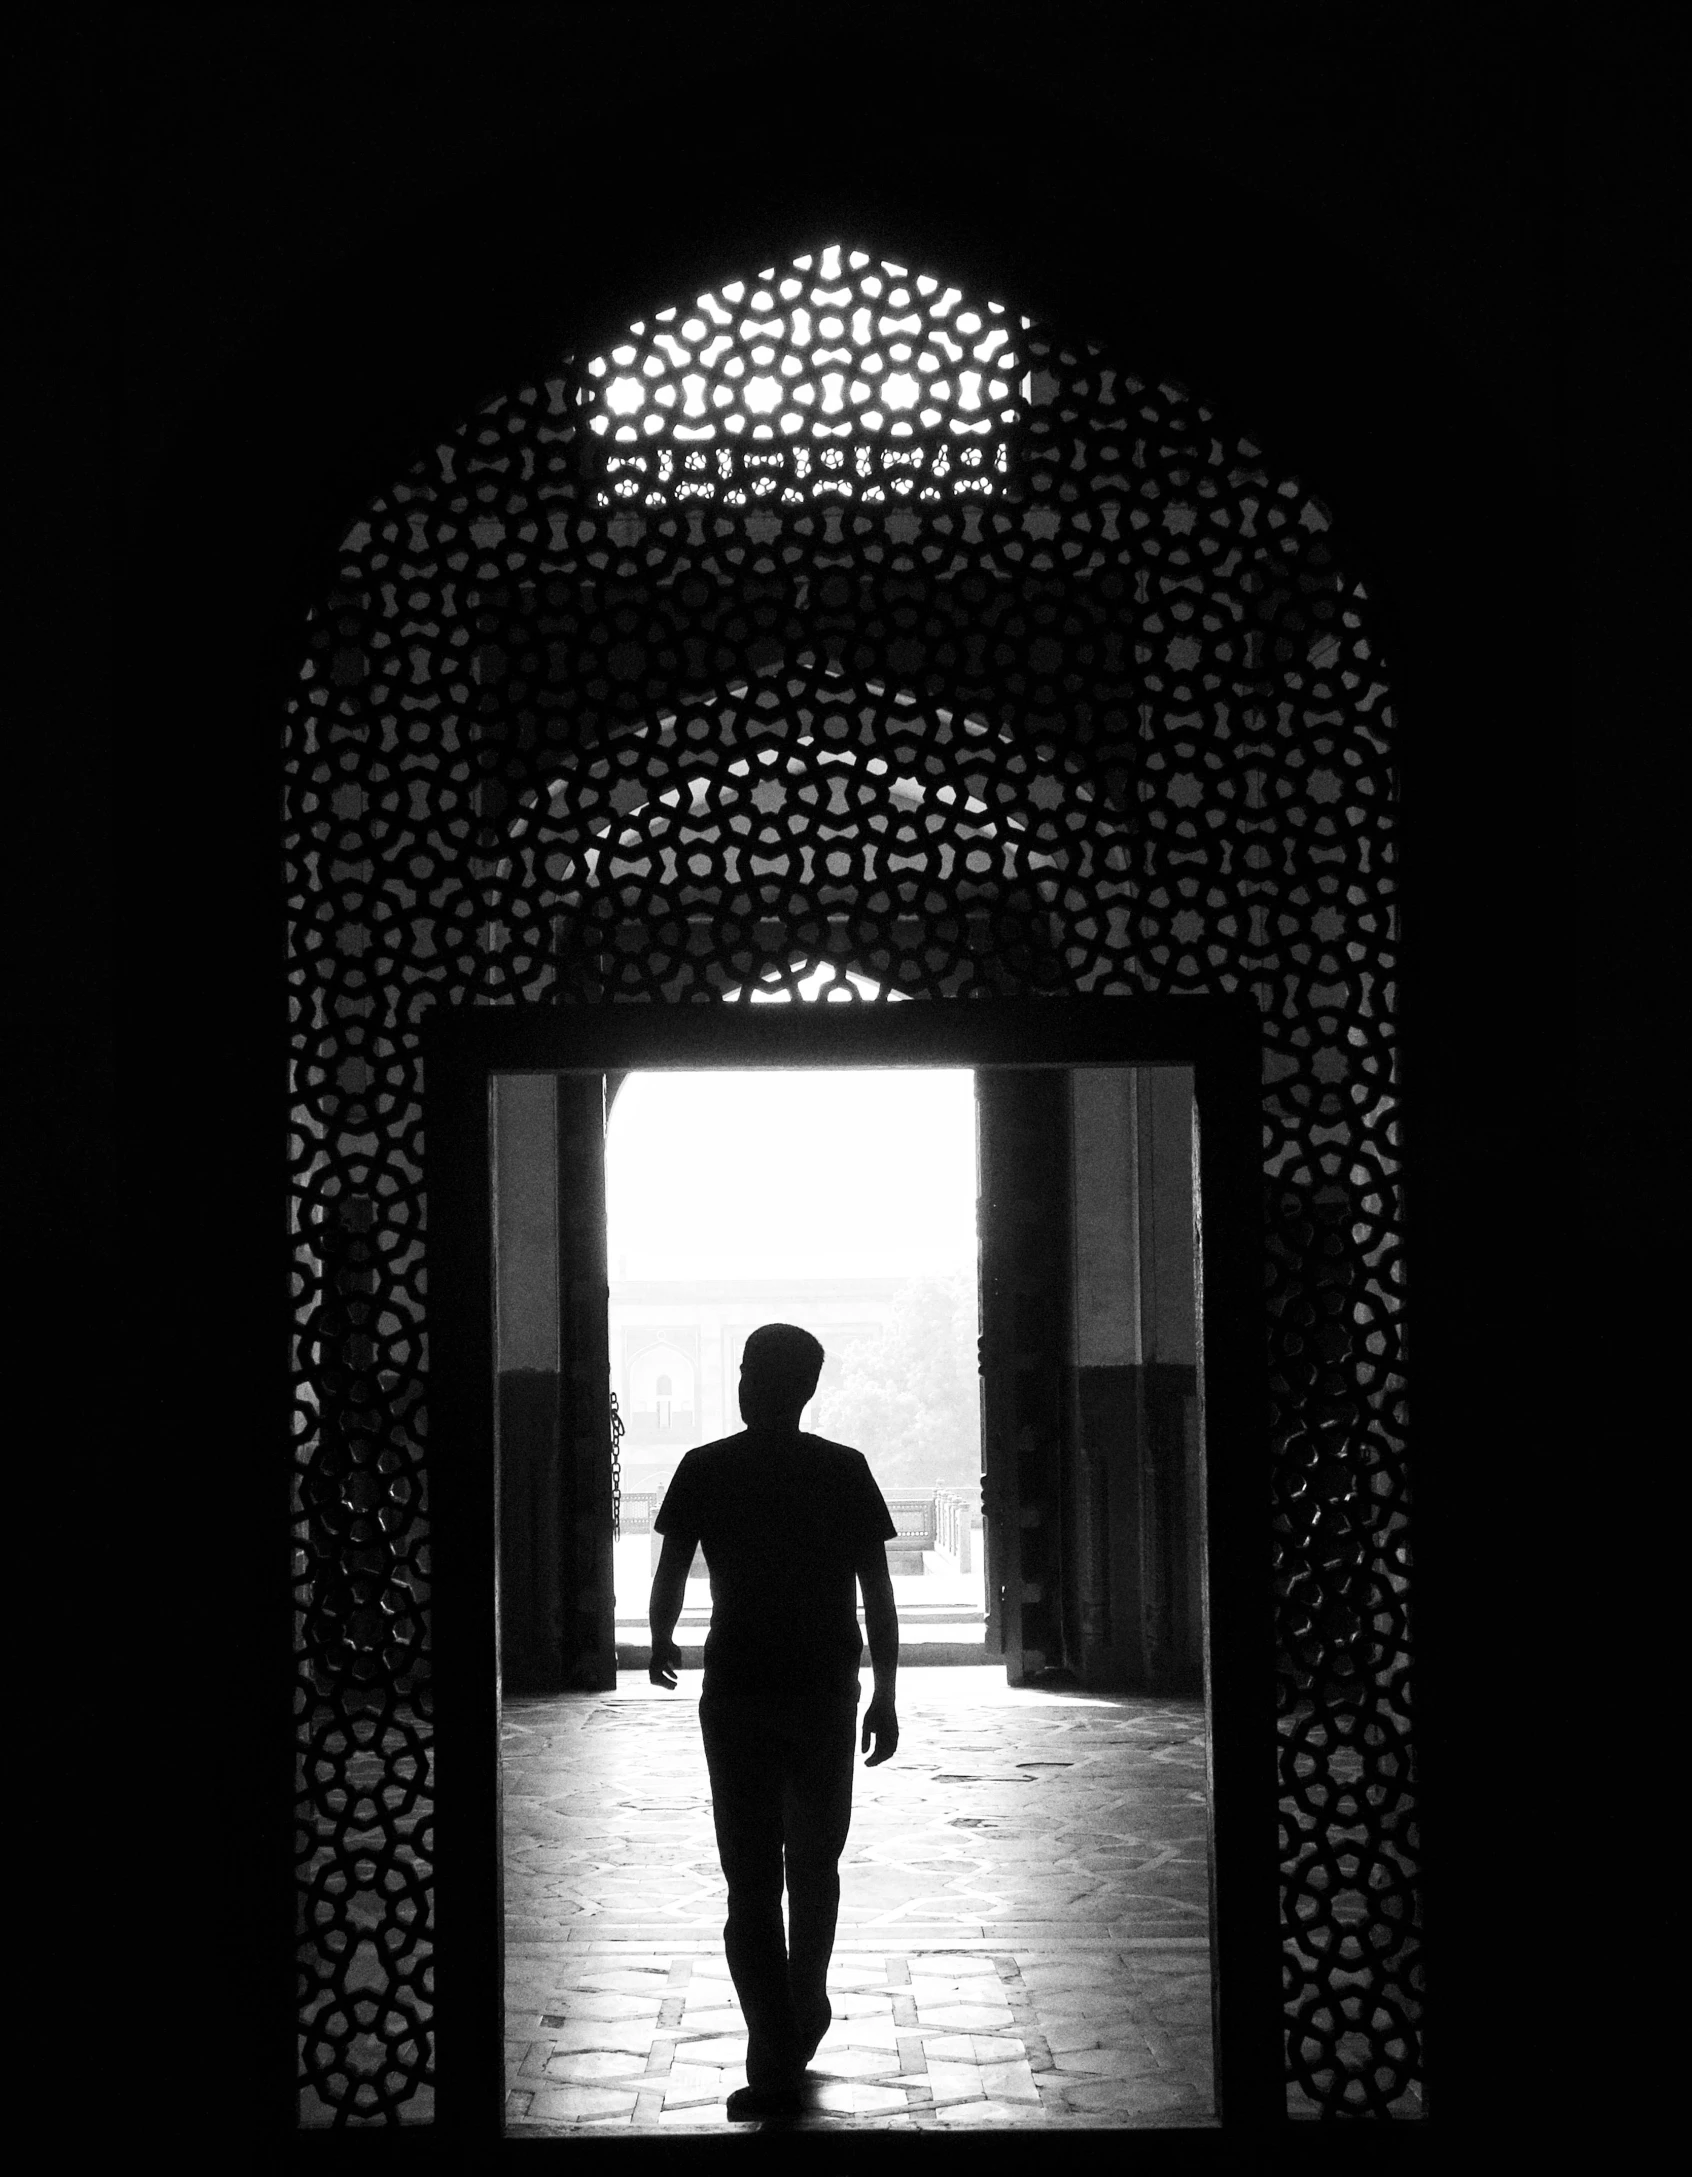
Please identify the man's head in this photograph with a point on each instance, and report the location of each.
(778, 1375)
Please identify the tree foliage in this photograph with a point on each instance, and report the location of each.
(908, 1400)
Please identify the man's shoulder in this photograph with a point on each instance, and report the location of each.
(711, 1454)
(826, 1448)
(843, 1464)
(717, 1443)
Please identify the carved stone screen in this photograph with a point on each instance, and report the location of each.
(841, 628)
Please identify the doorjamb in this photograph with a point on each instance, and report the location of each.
(1220, 1039)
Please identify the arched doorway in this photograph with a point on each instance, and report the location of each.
(1097, 713)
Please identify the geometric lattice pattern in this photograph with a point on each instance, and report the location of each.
(1115, 725)
(844, 378)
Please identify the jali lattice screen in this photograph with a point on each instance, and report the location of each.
(843, 631)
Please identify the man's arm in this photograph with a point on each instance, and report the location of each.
(669, 1592)
(881, 1623)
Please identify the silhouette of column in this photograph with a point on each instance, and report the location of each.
(557, 1581)
(1132, 1588)
(1103, 1591)
(531, 1480)
(584, 1385)
(1026, 1282)
(1170, 1460)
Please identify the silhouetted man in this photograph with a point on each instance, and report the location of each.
(787, 1522)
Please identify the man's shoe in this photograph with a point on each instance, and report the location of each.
(749, 2105)
(810, 2040)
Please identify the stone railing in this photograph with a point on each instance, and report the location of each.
(955, 1520)
(940, 1522)
(640, 1508)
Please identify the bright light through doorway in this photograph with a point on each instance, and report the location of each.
(792, 1175)
(844, 1201)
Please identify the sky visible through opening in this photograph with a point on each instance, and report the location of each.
(809, 1174)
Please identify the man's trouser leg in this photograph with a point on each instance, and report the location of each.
(746, 1757)
(781, 1800)
(816, 1814)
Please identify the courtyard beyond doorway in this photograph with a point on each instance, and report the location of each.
(840, 1200)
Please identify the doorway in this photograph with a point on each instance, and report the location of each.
(842, 1200)
(1045, 1247)
(1001, 1265)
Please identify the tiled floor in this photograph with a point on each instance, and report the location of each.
(1023, 1933)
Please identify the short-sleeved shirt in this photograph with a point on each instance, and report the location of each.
(783, 1521)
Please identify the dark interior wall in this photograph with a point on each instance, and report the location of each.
(329, 236)
(532, 1484)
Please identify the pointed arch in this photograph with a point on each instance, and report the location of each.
(1117, 724)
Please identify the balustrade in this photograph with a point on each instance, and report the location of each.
(939, 1520)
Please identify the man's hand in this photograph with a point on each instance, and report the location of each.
(669, 1592)
(881, 1622)
(881, 1723)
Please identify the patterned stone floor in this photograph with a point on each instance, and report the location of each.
(1023, 1932)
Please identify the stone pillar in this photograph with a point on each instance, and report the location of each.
(1132, 1589)
(1171, 1464)
(557, 1581)
(532, 1600)
(1104, 1498)
(584, 1385)
(1023, 1135)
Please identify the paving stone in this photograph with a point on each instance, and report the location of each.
(855, 2097)
(927, 1989)
(849, 1977)
(965, 2048)
(614, 1980)
(1008, 2082)
(598, 2004)
(687, 2084)
(714, 2049)
(963, 2017)
(714, 2017)
(1117, 2063)
(1063, 2036)
(855, 2063)
(1126, 2099)
(604, 2033)
(1090, 2007)
(879, 2032)
(575, 2104)
(861, 2003)
(1069, 1976)
(992, 2114)
(946, 2082)
(594, 2067)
